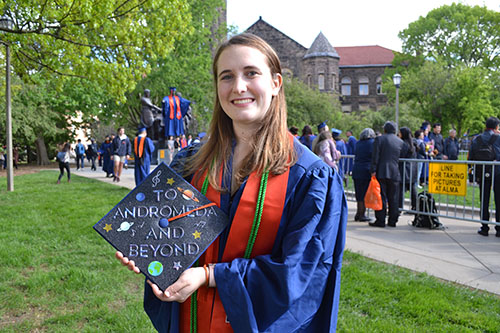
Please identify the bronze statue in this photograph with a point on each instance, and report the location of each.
(150, 116)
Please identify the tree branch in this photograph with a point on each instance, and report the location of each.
(47, 66)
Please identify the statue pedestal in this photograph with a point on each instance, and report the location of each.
(161, 152)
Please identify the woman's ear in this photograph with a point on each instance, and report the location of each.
(277, 82)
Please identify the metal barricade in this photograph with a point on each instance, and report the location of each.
(466, 207)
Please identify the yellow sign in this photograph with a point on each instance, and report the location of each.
(162, 153)
(448, 178)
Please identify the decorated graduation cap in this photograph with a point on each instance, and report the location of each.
(336, 132)
(164, 225)
(320, 126)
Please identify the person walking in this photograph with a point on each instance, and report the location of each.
(143, 151)
(385, 166)
(288, 279)
(361, 171)
(80, 154)
(107, 157)
(121, 148)
(63, 158)
(92, 154)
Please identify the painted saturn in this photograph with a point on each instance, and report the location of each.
(188, 194)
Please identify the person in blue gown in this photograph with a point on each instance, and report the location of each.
(107, 162)
(174, 109)
(143, 152)
(294, 285)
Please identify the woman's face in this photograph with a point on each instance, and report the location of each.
(245, 84)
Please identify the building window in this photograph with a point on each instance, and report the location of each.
(334, 82)
(346, 108)
(321, 82)
(346, 86)
(363, 86)
(379, 86)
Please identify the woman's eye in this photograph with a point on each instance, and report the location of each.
(226, 77)
(252, 73)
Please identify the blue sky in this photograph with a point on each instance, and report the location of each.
(344, 23)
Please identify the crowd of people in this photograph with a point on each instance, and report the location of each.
(378, 154)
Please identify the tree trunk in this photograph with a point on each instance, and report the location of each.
(41, 152)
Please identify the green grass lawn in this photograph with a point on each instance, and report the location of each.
(58, 275)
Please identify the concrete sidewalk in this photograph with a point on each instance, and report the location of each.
(456, 254)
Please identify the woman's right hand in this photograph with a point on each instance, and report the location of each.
(126, 262)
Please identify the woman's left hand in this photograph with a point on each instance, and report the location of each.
(189, 281)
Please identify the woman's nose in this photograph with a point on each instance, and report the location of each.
(240, 85)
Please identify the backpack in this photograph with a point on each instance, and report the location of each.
(426, 204)
(60, 156)
(80, 149)
(483, 151)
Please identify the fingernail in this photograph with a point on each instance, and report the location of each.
(167, 293)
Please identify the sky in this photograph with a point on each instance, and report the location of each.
(344, 23)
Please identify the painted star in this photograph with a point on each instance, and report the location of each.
(170, 181)
(196, 234)
(107, 227)
(177, 265)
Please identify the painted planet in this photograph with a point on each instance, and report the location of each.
(125, 226)
(163, 222)
(188, 194)
(140, 196)
(155, 268)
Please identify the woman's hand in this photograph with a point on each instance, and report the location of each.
(189, 281)
(126, 262)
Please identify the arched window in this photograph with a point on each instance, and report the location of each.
(363, 86)
(346, 86)
(379, 86)
(309, 81)
(321, 82)
(334, 82)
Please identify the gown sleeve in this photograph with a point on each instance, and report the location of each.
(297, 286)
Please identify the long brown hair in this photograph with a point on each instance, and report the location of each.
(272, 149)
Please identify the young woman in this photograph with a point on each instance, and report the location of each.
(122, 149)
(63, 158)
(288, 279)
(408, 170)
(326, 150)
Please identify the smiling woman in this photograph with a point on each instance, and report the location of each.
(276, 267)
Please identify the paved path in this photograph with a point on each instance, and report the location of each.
(456, 254)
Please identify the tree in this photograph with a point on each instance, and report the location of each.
(456, 34)
(188, 68)
(308, 106)
(110, 42)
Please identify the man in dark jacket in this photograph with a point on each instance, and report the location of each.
(485, 181)
(451, 147)
(385, 158)
(438, 141)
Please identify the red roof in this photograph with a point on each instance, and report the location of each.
(364, 55)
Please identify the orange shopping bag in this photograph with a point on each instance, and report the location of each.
(373, 198)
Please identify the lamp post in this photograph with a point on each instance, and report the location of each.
(396, 78)
(8, 24)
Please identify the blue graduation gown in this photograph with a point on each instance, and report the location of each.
(341, 146)
(107, 163)
(297, 286)
(174, 127)
(142, 166)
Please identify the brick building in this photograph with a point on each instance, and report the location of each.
(355, 73)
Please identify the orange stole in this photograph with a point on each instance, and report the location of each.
(139, 149)
(171, 104)
(211, 316)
